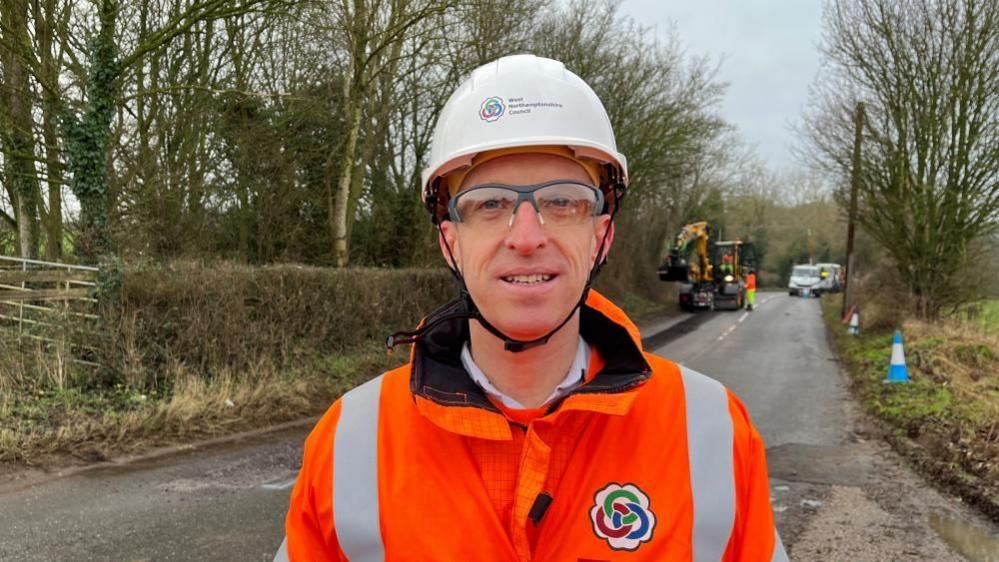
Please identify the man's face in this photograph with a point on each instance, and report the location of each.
(526, 278)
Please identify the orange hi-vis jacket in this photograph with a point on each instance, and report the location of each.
(646, 460)
(751, 281)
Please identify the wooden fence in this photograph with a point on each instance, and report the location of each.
(49, 303)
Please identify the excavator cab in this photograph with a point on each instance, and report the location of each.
(734, 260)
(725, 256)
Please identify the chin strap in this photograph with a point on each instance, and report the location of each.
(472, 312)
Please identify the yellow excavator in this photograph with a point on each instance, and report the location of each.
(715, 280)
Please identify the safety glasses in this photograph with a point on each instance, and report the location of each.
(557, 202)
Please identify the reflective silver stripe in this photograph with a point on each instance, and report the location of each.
(355, 474)
(282, 553)
(779, 555)
(712, 478)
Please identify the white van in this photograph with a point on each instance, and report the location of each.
(805, 280)
(831, 280)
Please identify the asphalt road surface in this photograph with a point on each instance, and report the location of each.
(227, 503)
(837, 490)
(838, 494)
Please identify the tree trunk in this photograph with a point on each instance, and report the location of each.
(341, 202)
(379, 108)
(53, 163)
(20, 144)
(88, 139)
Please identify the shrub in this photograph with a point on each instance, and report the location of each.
(236, 316)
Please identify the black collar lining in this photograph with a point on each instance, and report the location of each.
(438, 374)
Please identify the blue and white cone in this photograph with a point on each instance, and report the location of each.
(854, 328)
(897, 372)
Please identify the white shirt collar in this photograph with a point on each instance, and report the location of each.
(573, 379)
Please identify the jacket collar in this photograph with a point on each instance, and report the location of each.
(448, 396)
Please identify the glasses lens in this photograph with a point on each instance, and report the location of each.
(483, 206)
(558, 203)
(566, 203)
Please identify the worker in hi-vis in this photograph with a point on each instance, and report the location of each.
(751, 290)
(529, 424)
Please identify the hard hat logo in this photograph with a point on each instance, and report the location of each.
(622, 516)
(492, 109)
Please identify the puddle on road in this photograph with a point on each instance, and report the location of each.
(971, 542)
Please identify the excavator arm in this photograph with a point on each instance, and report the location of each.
(676, 267)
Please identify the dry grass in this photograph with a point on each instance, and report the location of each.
(947, 417)
(881, 298)
(984, 313)
(964, 359)
(94, 425)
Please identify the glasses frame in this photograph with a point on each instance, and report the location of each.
(524, 193)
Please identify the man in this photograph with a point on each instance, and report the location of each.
(751, 290)
(529, 424)
(726, 267)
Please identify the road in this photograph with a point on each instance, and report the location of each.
(226, 503)
(838, 493)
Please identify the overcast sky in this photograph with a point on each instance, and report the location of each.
(768, 55)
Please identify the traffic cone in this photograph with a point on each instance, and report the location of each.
(854, 328)
(897, 372)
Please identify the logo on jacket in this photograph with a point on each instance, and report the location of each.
(622, 516)
(492, 109)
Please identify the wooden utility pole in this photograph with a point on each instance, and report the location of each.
(858, 120)
(810, 248)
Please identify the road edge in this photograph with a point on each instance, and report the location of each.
(21, 480)
(935, 471)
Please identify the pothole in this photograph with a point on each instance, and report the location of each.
(817, 464)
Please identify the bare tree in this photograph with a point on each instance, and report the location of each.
(373, 33)
(89, 129)
(928, 73)
(662, 108)
(51, 18)
(269, 136)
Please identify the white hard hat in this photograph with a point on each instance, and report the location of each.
(520, 101)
